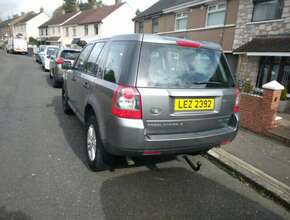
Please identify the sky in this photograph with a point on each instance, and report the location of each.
(11, 7)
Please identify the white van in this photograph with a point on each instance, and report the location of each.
(16, 45)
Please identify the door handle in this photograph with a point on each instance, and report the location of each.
(86, 85)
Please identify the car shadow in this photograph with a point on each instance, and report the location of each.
(13, 215)
(74, 134)
(175, 193)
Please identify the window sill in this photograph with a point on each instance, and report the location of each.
(264, 22)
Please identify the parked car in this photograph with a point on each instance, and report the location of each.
(65, 56)
(39, 53)
(45, 57)
(16, 45)
(141, 95)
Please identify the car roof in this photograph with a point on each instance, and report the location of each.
(70, 49)
(153, 38)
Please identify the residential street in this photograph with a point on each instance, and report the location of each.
(43, 174)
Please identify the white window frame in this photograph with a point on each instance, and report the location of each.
(74, 30)
(179, 16)
(157, 19)
(67, 31)
(217, 9)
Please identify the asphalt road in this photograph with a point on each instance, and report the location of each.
(43, 174)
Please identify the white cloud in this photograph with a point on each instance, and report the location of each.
(11, 7)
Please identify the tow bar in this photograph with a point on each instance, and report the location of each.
(195, 167)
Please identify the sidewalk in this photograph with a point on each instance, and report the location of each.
(282, 132)
(262, 160)
(266, 154)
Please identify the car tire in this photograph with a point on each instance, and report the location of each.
(66, 108)
(55, 83)
(98, 159)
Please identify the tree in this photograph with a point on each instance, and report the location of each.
(70, 6)
(90, 4)
(57, 11)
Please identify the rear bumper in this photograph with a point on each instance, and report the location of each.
(128, 137)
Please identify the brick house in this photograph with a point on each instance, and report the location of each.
(206, 20)
(262, 41)
(6, 27)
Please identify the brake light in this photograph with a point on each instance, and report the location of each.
(226, 141)
(59, 61)
(237, 101)
(126, 103)
(192, 44)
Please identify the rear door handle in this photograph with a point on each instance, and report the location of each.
(86, 85)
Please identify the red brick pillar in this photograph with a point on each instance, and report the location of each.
(270, 104)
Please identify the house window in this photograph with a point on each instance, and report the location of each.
(96, 26)
(66, 32)
(46, 31)
(267, 10)
(53, 30)
(274, 68)
(59, 30)
(41, 32)
(154, 25)
(86, 30)
(216, 14)
(141, 27)
(74, 31)
(181, 21)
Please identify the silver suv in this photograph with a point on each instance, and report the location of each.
(142, 95)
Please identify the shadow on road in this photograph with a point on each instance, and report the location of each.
(72, 128)
(175, 193)
(12, 215)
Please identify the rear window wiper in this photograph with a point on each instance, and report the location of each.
(207, 83)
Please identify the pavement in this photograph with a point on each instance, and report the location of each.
(43, 174)
(282, 132)
(264, 153)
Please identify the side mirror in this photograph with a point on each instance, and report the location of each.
(67, 66)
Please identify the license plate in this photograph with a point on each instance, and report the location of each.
(196, 104)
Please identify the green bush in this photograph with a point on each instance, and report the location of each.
(247, 87)
(283, 96)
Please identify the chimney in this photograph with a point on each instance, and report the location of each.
(22, 13)
(117, 2)
(41, 10)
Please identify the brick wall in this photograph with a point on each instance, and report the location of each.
(258, 113)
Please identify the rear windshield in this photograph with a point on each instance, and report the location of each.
(51, 51)
(69, 54)
(171, 66)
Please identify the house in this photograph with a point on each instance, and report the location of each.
(262, 41)
(100, 22)
(51, 31)
(6, 27)
(202, 20)
(27, 26)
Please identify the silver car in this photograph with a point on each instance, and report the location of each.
(64, 57)
(141, 95)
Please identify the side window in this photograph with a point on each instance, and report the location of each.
(79, 65)
(91, 65)
(113, 64)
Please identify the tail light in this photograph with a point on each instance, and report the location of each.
(126, 103)
(59, 60)
(237, 101)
